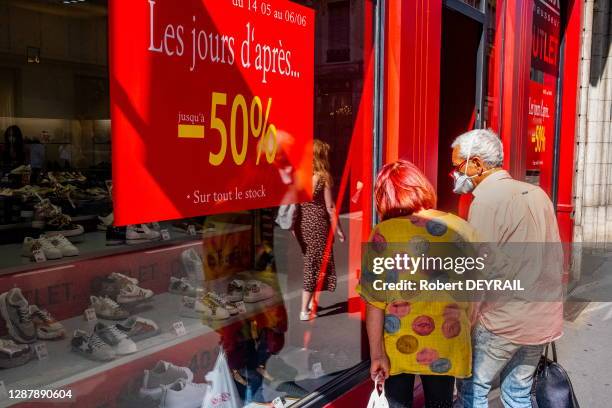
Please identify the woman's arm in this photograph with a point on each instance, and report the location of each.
(379, 362)
(331, 210)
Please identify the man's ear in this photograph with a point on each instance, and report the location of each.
(479, 164)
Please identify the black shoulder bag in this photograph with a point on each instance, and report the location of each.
(552, 387)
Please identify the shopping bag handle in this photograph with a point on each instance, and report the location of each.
(375, 397)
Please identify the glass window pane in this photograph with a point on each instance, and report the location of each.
(181, 290)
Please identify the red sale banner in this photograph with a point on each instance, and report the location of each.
(211, 106)
(540, 126)
(543, 84)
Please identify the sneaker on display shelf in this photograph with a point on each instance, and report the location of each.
(62, 243)
(97, 193)
(188, 308)
(123, 279)
(138, 328)
(183, 394)
(115, 235)
(183, 225)
(106, 308)
(91, 346)
(62, 224)
(116, 338)
(31, 245)
(133, 294)
(135, 234)
(193, 266)
(47, 328)
(256, 291)
(235, 290)
(181, 287)
(23, 169)
(105, 222)
(16, 314)
(42, 211)
(14, 355)
(203, 308)
(223, 302)
(163, 374)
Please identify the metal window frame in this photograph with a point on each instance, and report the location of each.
(379, 92)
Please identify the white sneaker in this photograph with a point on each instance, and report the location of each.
(193, 266)
(23, 169)
(235, 290)
(63, 244)
(131, 293)
(138, 233)
(105, 222)
(183, 394)
(123, 279)
(163, 374)
(107, 308)
(256, 291)
(115, 338)
(30, 245)
(91, 346)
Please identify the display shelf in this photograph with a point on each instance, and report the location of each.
(93, 245)
(64, 367)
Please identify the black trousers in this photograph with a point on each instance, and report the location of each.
(438, 390)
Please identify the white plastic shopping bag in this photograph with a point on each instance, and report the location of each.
(286, 216)
(221, 391)
(378, 400)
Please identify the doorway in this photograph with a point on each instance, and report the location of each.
(460, 76)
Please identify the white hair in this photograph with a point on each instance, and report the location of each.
(483, 143)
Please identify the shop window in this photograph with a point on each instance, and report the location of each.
(117, 312)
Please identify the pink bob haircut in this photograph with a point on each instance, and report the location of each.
(402, 189)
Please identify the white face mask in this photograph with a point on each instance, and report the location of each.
(463, 184)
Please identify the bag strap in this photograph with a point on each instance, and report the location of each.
(554, 351)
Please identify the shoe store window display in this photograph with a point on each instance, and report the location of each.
(26, 324)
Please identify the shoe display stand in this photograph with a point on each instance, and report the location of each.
(97, 383)
(63, 288)
(93, 245)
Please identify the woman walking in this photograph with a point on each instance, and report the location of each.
(316, 222)
(412, 332)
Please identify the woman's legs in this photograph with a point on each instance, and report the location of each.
(306, 297)
(398, 389)
(438, 390)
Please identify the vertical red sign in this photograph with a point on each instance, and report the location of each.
(211, 105)
(543, 90)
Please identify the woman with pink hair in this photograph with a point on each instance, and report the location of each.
(412, 332)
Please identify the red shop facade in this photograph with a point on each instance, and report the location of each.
(392, 79)
(451, 66)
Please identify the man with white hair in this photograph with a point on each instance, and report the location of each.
(509, 336)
